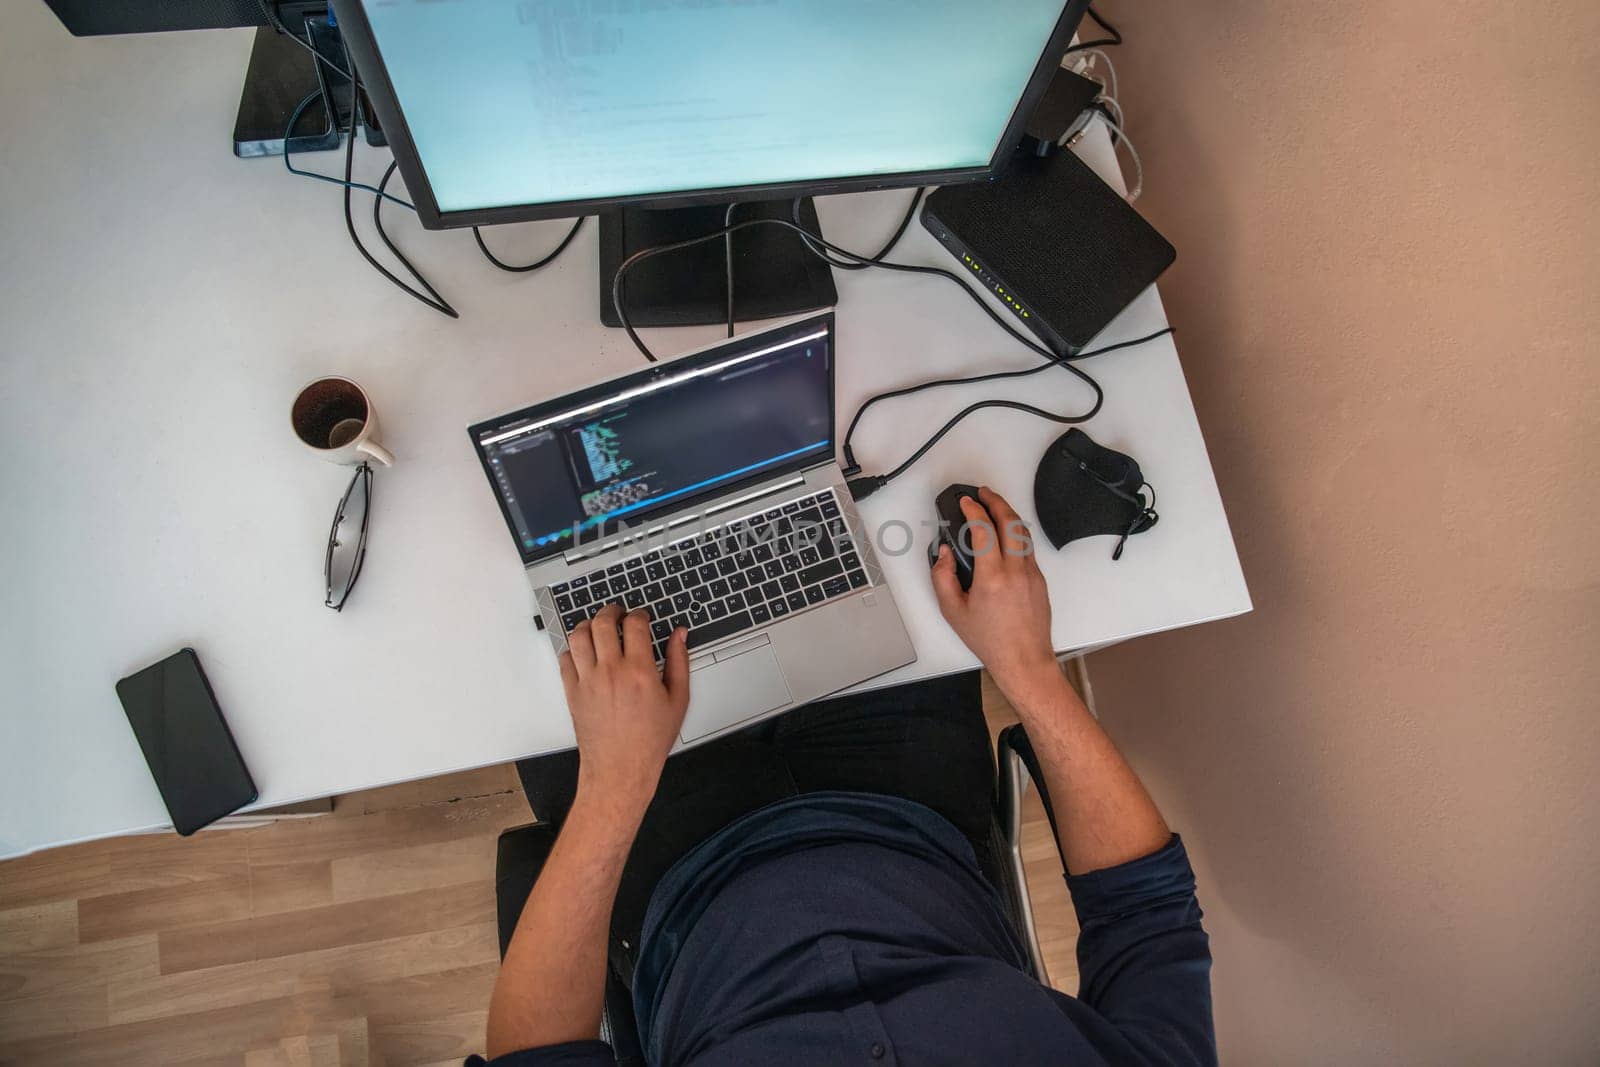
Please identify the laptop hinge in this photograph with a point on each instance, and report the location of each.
(576, 556)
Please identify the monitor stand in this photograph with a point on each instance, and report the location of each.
(281, 74)
(774, 274)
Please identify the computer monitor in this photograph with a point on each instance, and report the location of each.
(515, 110)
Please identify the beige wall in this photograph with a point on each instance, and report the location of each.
(1387, 298)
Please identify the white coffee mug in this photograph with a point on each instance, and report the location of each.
(335, 419)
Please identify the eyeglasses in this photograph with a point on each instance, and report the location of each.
(347, 541)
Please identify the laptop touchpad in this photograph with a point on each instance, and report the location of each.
(733, 690)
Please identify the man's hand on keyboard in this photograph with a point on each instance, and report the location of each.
(626, 713)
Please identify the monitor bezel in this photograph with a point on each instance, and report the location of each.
(374, 75)
(647, 517)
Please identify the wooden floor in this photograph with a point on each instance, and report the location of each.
(362, 937)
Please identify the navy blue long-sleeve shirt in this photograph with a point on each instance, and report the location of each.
(849, 927)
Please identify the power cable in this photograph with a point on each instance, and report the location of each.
(863, 486)
(1114, 38)
(525, 268)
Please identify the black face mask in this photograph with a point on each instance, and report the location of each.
(1085, 490)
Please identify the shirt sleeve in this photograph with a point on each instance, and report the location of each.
(566, 1054)
(1144, 962)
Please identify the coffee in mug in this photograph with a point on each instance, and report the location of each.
(335, 418)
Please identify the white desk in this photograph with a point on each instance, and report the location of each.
(161, 303)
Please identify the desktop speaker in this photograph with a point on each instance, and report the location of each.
(1057, 245)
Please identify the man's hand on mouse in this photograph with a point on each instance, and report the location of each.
(625, 711)
(1005, 617)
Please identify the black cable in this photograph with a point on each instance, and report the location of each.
(380, 192)
(900, 231)
(991, 377)
(438, 303)
(536, 264)
(1103, 24)
(294, 120)
(356, 88)
(903, 268)
(1114, 38)
(862, 487)
(277, 24)
(294, 117)
(866, 486)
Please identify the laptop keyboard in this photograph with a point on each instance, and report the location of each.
(738, 576)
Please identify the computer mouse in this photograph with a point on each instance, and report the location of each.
(947, 505)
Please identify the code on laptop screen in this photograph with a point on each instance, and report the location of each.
(646, 444)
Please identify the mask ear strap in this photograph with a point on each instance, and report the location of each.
(1114, 488)
(1146, 518)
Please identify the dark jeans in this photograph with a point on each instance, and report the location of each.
(926, 741)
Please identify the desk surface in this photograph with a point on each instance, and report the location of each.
(163, 301)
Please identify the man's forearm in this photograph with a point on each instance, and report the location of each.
(551, 986)
(1103, 814)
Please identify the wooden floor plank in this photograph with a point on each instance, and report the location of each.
(36, 927)
(57, 874)
(185, 903)
(441, 1039)
(355, 1045)
(163, 860)
(284, 887)
(304, 1050)
(226, 1032)
(393, 1001)
(53, 1014)
(76, 967)
(402, 870)
(308, 930)
(338, 971)
(344, 1044)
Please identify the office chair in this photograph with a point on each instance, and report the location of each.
(522, 852)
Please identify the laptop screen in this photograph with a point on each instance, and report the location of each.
(579, 468)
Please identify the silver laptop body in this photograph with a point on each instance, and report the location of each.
(774, 575)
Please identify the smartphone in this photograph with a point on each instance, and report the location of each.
(186, 742)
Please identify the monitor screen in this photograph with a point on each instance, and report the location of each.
(579, 467)
(529, 102)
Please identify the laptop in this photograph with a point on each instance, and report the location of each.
(706, 490)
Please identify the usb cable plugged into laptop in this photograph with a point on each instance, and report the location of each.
(863, 487)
